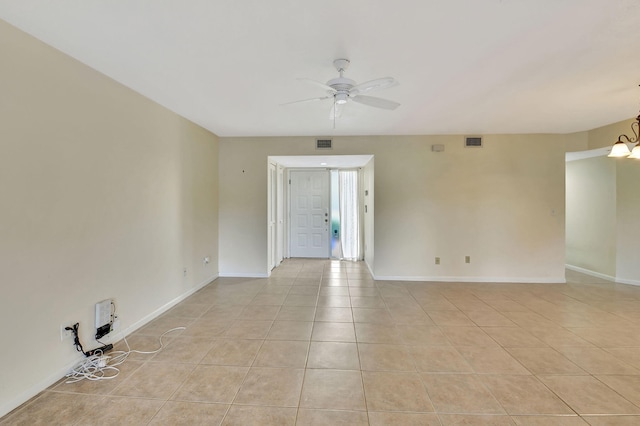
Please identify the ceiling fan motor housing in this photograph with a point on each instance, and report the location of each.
(342, 86)
(341, 83)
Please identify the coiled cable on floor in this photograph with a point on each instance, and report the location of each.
(104, 367)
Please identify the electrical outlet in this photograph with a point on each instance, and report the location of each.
(206, 260)
(467, 259)
(65, 334)
(437, 260)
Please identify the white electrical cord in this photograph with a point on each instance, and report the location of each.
(103, 367)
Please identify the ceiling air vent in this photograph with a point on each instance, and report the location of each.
(473, 142)
(323, 143)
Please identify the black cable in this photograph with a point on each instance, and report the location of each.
(76, 338)
(79, 348)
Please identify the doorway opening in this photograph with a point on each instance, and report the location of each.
(320, 206)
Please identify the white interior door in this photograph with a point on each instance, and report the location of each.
(309, 213)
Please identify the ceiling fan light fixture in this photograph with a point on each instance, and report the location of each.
(344, 90)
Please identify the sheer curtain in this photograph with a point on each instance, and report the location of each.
(349, 214)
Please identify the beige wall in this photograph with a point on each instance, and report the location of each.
(606, 136)
(628, 221)
(368, 179)
(591, 212)
(104, 194)
(578, 141)
(503, 205)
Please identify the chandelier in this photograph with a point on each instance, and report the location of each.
(620, 148)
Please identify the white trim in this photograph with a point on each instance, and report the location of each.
(625, 281)
(313, 161)
(242, 275)
(369, 268)
(590, 272)
(603, 276)
(25, 396)
(155, 314)
(523, 280)
(581, 155)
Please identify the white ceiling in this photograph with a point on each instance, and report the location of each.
(464, 66)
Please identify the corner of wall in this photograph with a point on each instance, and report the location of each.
(606, 136)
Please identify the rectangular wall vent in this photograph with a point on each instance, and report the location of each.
(323, 143)
(473, 142)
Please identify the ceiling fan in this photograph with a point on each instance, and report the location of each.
(343, 90)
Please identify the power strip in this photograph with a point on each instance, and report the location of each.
(99, 351)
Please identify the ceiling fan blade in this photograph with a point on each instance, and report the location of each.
(380, 83)
(307, 100)
(336, 111)
(317, 83)
(375, 102)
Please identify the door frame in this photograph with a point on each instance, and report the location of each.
(272, 202)
(284, 163)
(280, 219)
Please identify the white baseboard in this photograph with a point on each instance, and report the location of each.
(369, 268)
(518, 280)
(8, 406)
(115, 337)
(590, 272)
(626, 281)
(603, 276)
(242, 275)
(15, 402)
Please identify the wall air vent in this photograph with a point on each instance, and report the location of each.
(473, 142)
(323, 143)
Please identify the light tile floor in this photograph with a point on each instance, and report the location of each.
(321, 343)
